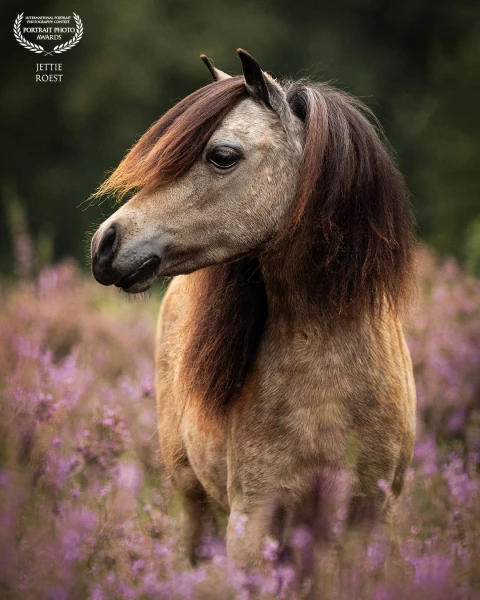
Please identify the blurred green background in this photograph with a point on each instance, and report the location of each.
(416, 63)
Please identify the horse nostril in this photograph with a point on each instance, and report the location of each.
(107, 245)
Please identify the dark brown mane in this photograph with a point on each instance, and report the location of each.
(351, 200)
(227, 318)
(354, 202)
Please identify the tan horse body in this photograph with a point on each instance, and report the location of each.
(284, 384)
(313, 405)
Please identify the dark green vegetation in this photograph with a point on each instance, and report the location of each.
(414, 62)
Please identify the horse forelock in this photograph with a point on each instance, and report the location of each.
(173, 143)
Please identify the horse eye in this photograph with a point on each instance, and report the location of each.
(223, 157)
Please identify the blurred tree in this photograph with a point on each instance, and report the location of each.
(415, 62)
(472, 247)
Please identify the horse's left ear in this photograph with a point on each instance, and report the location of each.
(259, 84)
(216, 74)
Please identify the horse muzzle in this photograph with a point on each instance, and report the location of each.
(133, 268)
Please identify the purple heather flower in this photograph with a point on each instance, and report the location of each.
(383, 485)
(238, 521)
(57, 593)
(301, 538)
(426, 452)
(97, 593)
(431, 571)
(270, 549)
(129, 476)
(377, 553)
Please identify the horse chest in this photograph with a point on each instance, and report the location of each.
(299, 412)
(293, 403)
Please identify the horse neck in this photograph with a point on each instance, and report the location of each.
(295, 302)
(287, 274)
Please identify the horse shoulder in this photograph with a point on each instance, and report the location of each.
(193, 450)
(167, 348)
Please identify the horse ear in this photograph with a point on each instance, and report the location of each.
(216, 74)
(259, 84)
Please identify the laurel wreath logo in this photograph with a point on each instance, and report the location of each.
(59, 48)
(76, 38)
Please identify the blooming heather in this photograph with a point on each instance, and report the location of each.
(85, 512)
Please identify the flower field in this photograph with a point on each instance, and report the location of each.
(84, 509)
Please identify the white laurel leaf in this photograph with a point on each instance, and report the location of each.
(22, 40)
(76, 38)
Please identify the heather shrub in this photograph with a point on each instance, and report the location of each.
(86, 513)
(444, 339)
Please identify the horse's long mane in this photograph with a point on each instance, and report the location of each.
(354, 202)
(351, 200)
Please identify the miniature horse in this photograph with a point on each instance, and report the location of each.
(281, 364)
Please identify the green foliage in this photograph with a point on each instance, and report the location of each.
(414, 62)
(472, 247)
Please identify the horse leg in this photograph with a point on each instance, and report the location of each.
(195, 511)
(257, 544)
(369, 544)
(247, 532)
